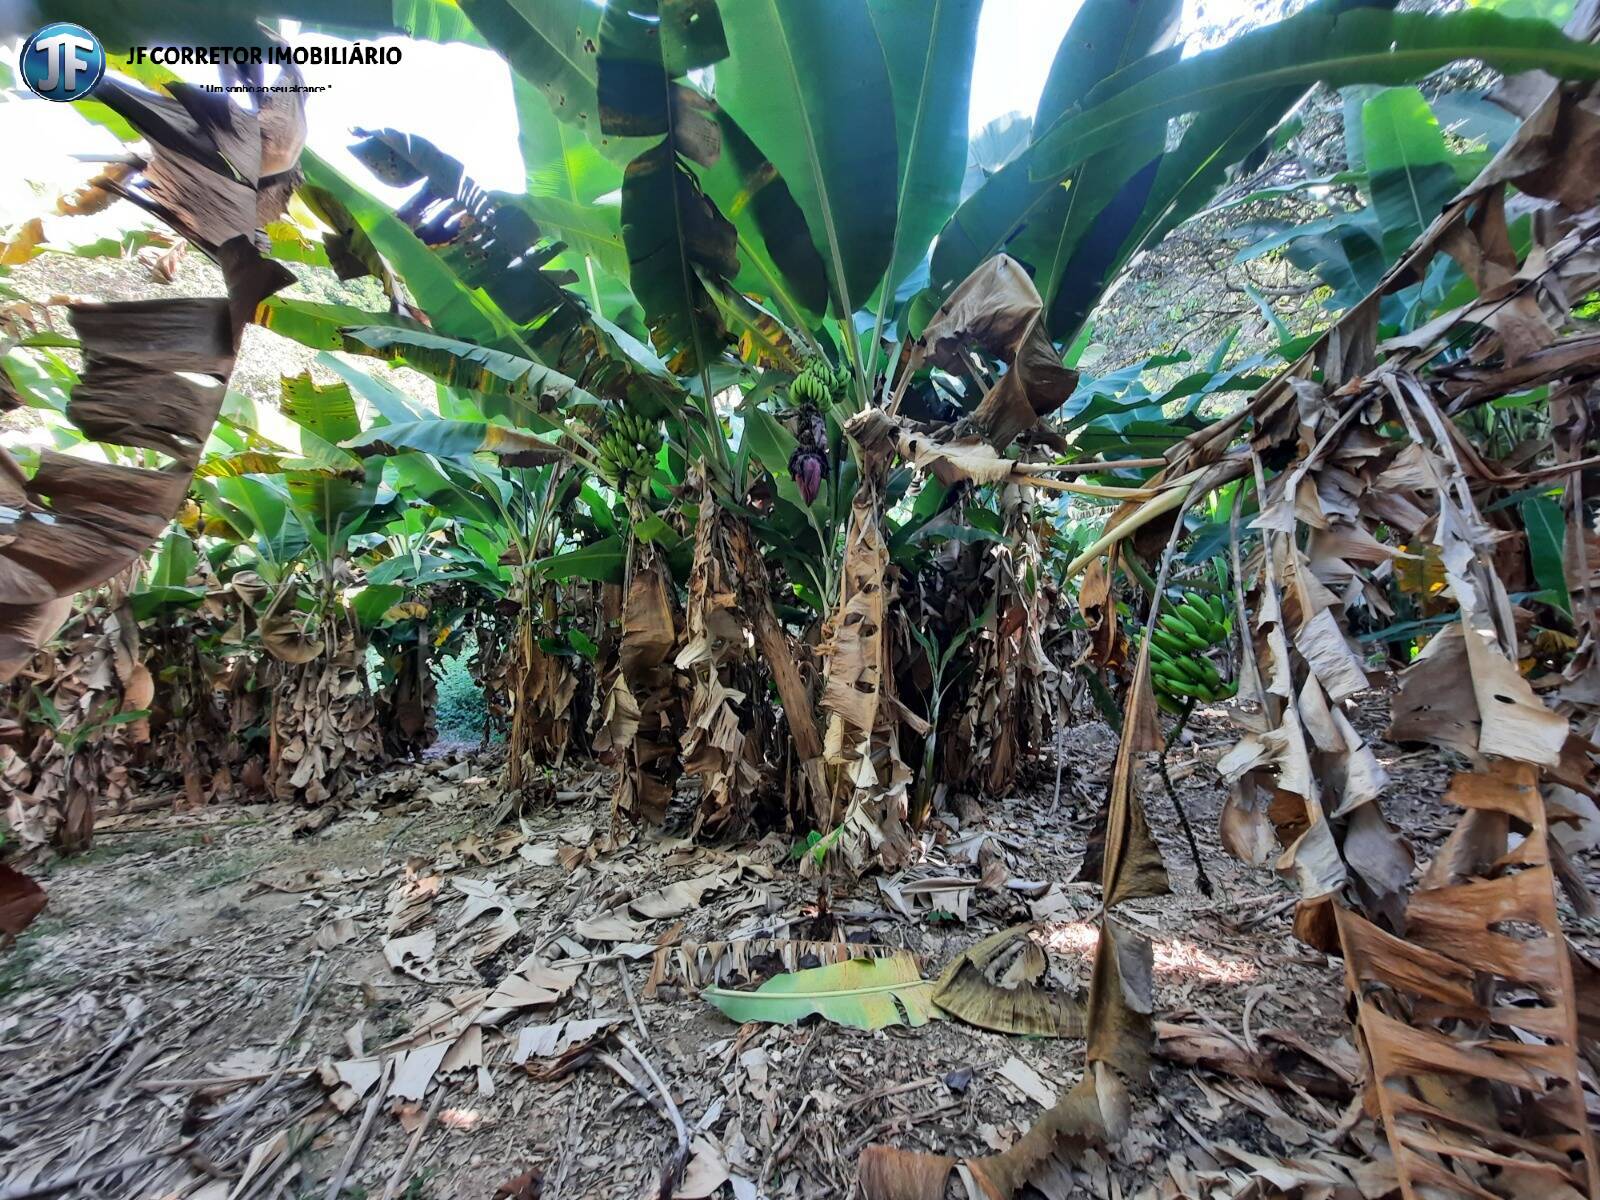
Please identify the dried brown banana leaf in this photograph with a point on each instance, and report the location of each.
(76, 523)
(702, 964)
(1470, 1023)
(998, 309)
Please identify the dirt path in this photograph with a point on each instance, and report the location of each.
(215, 946)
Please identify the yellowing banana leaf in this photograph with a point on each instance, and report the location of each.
(1022, 1006)
(863, 993)
(247, 462)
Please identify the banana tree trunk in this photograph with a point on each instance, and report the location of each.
(542, 687)
(75, 737)
(643, 719)
(405, 711)
(867, 805)
(1009, 712)
(324, 721)
(810, 803)
(720, 743)
(190, 733)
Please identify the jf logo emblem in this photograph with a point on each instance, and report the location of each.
(62, 62)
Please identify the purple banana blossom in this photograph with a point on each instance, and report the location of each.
(805, 468)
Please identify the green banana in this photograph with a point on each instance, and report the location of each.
(1167, 642)
(818, 385)
(1200, 618)
(1189, 628)
(1181, 629)
(1169, 705)
(1183, 688)
(1220, 611)
(627, 450)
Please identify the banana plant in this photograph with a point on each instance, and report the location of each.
(783, 169)
(1403, 169)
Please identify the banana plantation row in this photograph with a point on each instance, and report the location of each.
(777, 487)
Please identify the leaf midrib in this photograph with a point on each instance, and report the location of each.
(916, 129)
(560, 52)
(1406, 168)
(813, 159)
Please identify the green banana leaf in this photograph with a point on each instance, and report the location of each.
(929, 50)
(393, 406)
(1546, 525)
(566, 178)
(808, 82)
(777, 258)
(334, 507)
(673, 233)
(866, 993)
(461, 364)
(1319, 44)
(174, 562)
(1410, 168)
(558, 99)
(590, 229)
(1041, 223)
(319, 325)
(454, 439)
(258, 508)
(455, 308)
(554, 44)
(167, 584)
(604, 561)
(372, 601)
(328, 412)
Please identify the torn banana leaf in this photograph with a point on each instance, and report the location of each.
(863, 993)
(155, 371)
(1478, 998)
(693, 964)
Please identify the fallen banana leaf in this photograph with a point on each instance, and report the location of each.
(1281, 1059)
(965, 992)
(1075, 1122)
(863, 993)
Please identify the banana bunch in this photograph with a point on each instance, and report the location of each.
(628, 451)
(1180, 670)
(817, 385)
